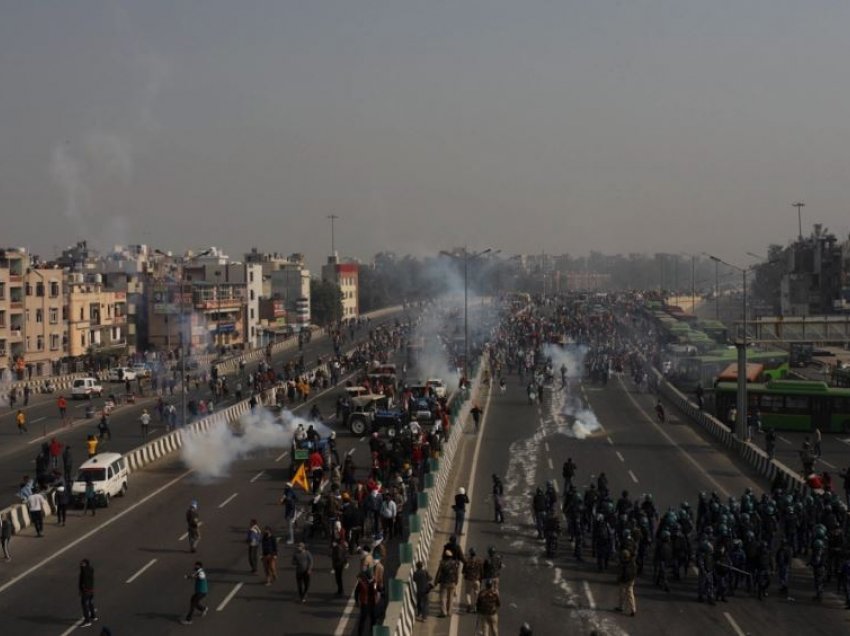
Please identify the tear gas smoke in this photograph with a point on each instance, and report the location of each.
(211, 454)
(577, 420)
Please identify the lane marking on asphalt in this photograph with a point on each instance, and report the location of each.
(610, 441)
(549, 461)
(734, 625)
(92, 532)
(228, 598)
(257, 476)
(782, 439)
(281, 456)
(632, 475)
(38, 419)
(362, 439)
(139, 573)
(826, 463)
(228, 500)
(590, 601)
(620, 456)
(555, 485)
(186, 534)
(346, 616)
(673, 442)
(80, 406)
(546, 446)
(73, 627)
(350, 451)
(844, 441)
(454, 624)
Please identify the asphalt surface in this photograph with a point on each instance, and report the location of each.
(526, 445)
(18, 451)
(140, 554)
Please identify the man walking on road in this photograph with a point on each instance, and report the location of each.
(253, 540)
(37, 504)
(193, 526)
(367, 596)
(62, 404)
(85, 584)
(21, 419)
(472, 579)
(269, 547)
(626, 579)
(422, 584)
(488, 608)
(145, 419)
(201, 589)
(447, 577)
(461, 501)
(303, 562)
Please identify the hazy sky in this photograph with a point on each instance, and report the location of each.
(562, 126)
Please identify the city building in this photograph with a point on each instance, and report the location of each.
(286, 279)
(345, 276)
(32, 325)
(97, 318)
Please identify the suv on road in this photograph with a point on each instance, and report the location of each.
(86, 388)
(108, 473)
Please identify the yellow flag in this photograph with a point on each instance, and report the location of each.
(301, 478)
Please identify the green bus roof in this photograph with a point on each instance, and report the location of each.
(786, 387)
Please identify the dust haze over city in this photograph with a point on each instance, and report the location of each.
(556, 127)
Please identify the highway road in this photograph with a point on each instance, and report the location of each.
(140, 554)
(526, 445)
(18, 452)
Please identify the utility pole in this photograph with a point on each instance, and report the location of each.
(333, 217)
(799, 205)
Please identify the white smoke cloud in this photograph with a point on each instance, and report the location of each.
(574, 417)
(211, 454)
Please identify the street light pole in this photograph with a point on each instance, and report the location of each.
(799, 205)
(332, 217)
(741, 421)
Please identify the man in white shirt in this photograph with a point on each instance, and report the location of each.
(37, 505)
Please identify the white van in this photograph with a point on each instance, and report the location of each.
(86, 388)
(108, 473)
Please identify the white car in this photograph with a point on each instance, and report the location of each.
(86, 388)
(437, 386)
(120, 374)
(141, 370)
(109, 475)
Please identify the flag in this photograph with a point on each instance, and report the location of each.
(301, 478)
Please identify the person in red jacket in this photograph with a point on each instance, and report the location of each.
(317, 465)
(55, 450)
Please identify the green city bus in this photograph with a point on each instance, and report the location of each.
(791, 405)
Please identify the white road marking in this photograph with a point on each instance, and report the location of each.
(826, 463)
(186, 534)
(555, 485)
(228, 500)
(673, 442)
(610, 441)
(590, 602)
(227, 598)
(281, 456)
(91, 532)
(454, 625)
(257, 476)
(844, 441)
(549, 461)
(735, 626)
(38, 419)
(346, 616)
(139, 573)
(632, 475)
(73, 627)
(782, 439)
(619, 456)
(350, 451)
(362, 439)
